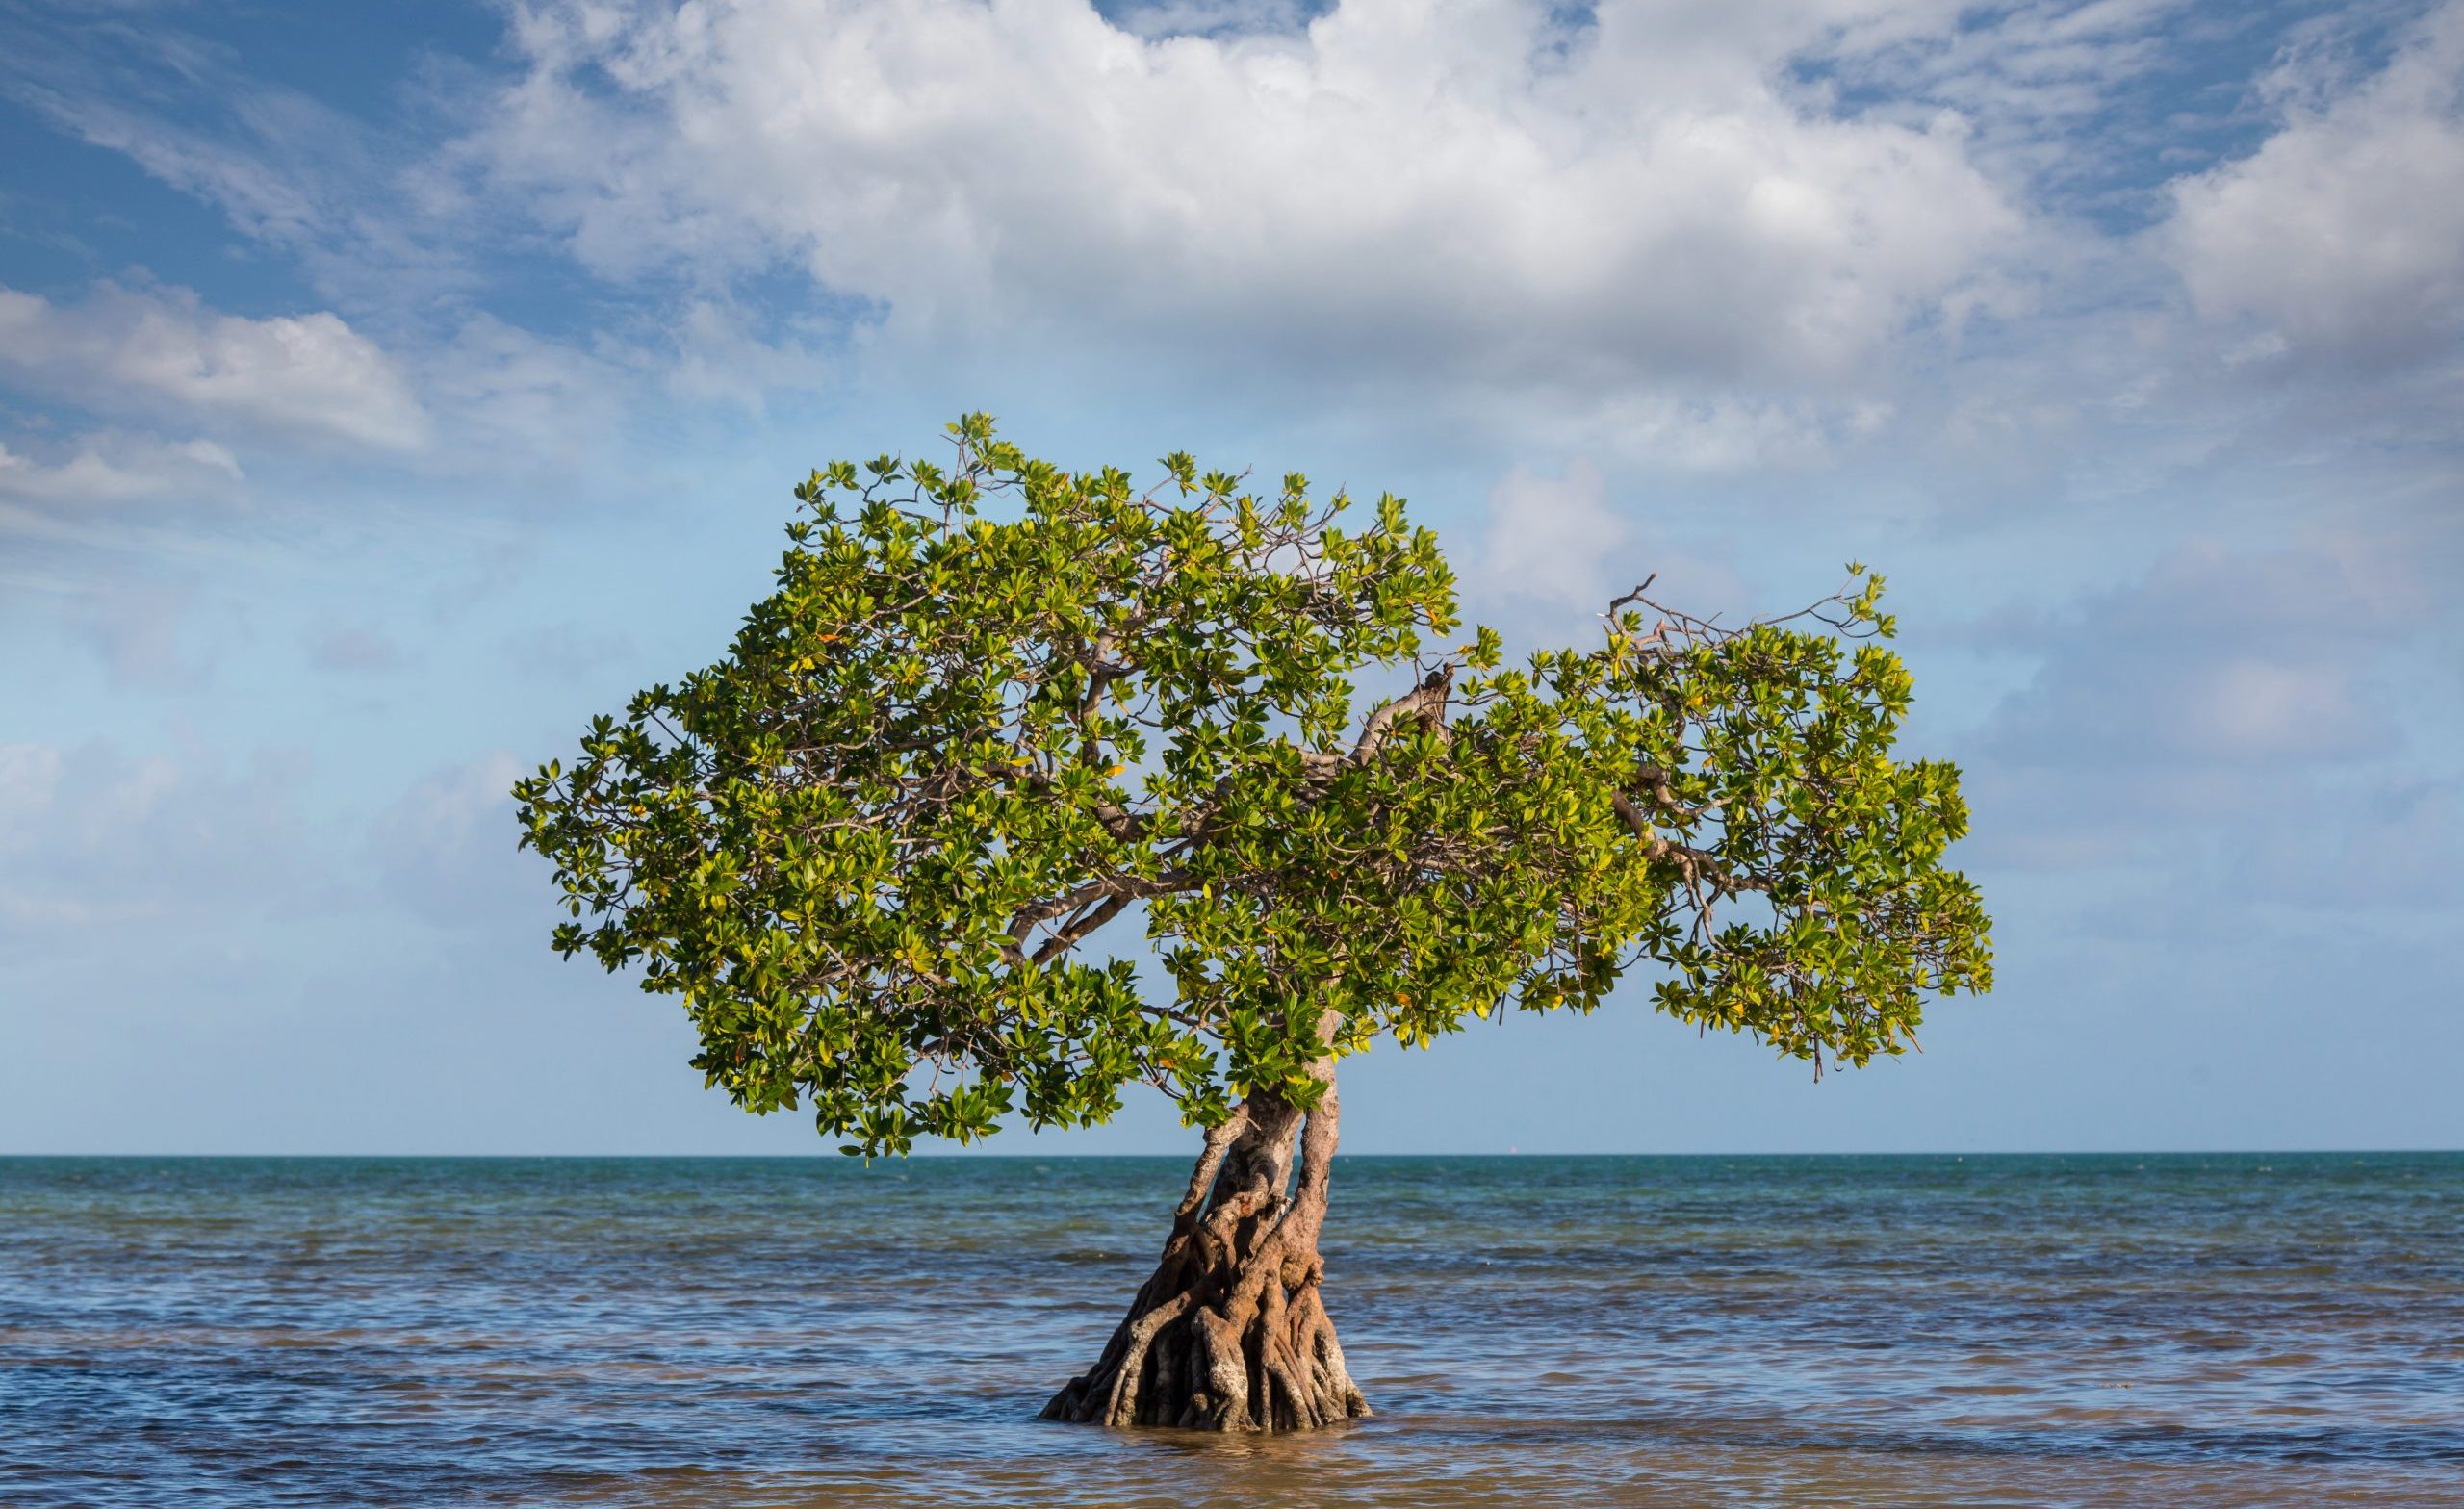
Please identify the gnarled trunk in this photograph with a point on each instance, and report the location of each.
(1230, 1334)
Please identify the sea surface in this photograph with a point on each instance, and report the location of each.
(2176, 1330)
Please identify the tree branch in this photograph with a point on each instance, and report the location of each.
(1424, 705)
(1697, 864)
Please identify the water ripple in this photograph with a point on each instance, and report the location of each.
(1649, 1331)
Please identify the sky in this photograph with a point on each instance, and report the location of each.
(386, 389)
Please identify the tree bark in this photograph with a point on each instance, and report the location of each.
(1230, 1333)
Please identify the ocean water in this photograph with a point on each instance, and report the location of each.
(2176, 1330)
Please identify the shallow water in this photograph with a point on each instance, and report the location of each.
(1651, 1331)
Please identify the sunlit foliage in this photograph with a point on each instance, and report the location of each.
(996, 711)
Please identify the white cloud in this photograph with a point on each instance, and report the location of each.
(100, 470)
(1480, 193)
(720, 358)
(2343, 234)
(1558, 548)
(308, 375)
(1551, 537)
(526, 403)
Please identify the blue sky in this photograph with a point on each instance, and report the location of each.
(387, 388)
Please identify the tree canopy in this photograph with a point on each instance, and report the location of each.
(997, 712)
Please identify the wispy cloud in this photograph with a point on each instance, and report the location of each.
(347, 198)
(99, 470)
(2226, 691)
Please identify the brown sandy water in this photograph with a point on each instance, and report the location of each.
(2284, 1329)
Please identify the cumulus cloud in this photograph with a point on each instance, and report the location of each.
(1484, 192)
(309, 376)
(2343, 234)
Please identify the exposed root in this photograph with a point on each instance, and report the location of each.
(1231, 1332)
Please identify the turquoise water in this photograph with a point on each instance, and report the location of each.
(1653, 1331)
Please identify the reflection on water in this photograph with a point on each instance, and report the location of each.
(2175, 1330)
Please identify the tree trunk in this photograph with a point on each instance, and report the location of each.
(1230, 1333)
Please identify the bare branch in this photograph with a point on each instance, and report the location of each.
(1424, 705)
